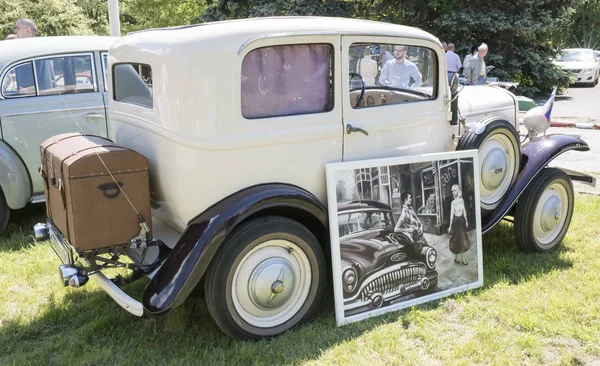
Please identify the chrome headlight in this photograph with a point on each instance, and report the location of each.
(431, 258)
(349, 279)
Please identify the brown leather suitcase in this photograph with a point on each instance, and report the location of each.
(83, 199)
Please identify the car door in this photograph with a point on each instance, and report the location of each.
(49, 96)
(394, 116)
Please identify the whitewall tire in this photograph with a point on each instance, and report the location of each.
(268, 277)
(499, 159)
(543, 214)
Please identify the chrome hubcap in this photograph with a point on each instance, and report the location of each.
(550, 213)
(271, 283)
(493, 170)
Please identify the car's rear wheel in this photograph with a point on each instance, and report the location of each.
(499, 159)
(544, 212)
(268, 277)
(4, 212)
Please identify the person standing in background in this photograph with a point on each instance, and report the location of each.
(453, 63)
(445, 46)
(367, 68)
(468, 58)
(476, 71)
(25, 28)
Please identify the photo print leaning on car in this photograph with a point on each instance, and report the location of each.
(404, 231)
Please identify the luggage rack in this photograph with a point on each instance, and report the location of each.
(78, 266)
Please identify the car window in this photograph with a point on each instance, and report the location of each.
(19, 81)
(132, 83)
(357, 222)
(382, 74)
(64, 75)
(575, 55)
(287, 80)
(104, 68)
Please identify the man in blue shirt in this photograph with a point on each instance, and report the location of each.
(397, 73)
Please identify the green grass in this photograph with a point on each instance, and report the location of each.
(534, 309)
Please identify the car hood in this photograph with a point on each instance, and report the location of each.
(483, 100)
(576, 64)
(373, 250)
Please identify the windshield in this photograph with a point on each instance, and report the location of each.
(356, 222)
(575, 55)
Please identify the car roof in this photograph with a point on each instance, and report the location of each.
(16, 49)
(253, 28)
(361, 205)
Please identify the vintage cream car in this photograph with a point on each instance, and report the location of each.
(240, 119)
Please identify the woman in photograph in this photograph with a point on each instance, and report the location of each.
(459, 241)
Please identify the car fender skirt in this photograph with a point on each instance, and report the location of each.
(14, 178)
(182, 270)
(536, 154)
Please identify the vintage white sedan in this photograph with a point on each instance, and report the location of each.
(240, 119)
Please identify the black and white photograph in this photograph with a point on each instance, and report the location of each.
(404, 231)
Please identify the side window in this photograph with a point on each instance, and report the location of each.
(287, 80)
(64, 75)
(391, 74)
(132, 83)
(104, 68)
(19, 81)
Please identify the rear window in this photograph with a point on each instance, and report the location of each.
(132, 83)
(287, 80)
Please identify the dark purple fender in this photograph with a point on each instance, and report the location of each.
(535, 155)
(187, 262)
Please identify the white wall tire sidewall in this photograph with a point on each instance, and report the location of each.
(546, 237)
(490, 198)
(268, 254)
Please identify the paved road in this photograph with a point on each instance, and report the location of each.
(579, 104)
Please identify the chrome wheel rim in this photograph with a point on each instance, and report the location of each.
(497, 156)
(550, 213)
(271, 283)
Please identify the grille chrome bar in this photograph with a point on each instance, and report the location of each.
(393, 281)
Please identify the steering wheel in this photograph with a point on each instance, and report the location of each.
(362, 88)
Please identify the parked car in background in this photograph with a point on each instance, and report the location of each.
(582, 62)
(238, 119)
(50, 85)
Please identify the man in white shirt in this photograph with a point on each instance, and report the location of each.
(397, 73)
(366, 67)
(453, 63)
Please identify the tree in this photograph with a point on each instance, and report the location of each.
(144, 14)
(52, 17)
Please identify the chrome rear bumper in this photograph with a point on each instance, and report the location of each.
(64, 251)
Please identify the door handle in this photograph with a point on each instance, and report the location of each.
(94, 115)
(350, 129)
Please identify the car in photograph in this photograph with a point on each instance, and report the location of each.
(238, 120)
(50, 85)
(581, 62)
(378, 264)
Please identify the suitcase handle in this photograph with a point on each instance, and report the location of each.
(106, 188)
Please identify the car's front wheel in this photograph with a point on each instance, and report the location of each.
(499, 159)
(544, 212)
(4, 212)
(268, 277)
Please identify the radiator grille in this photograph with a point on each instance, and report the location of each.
(392, 281)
